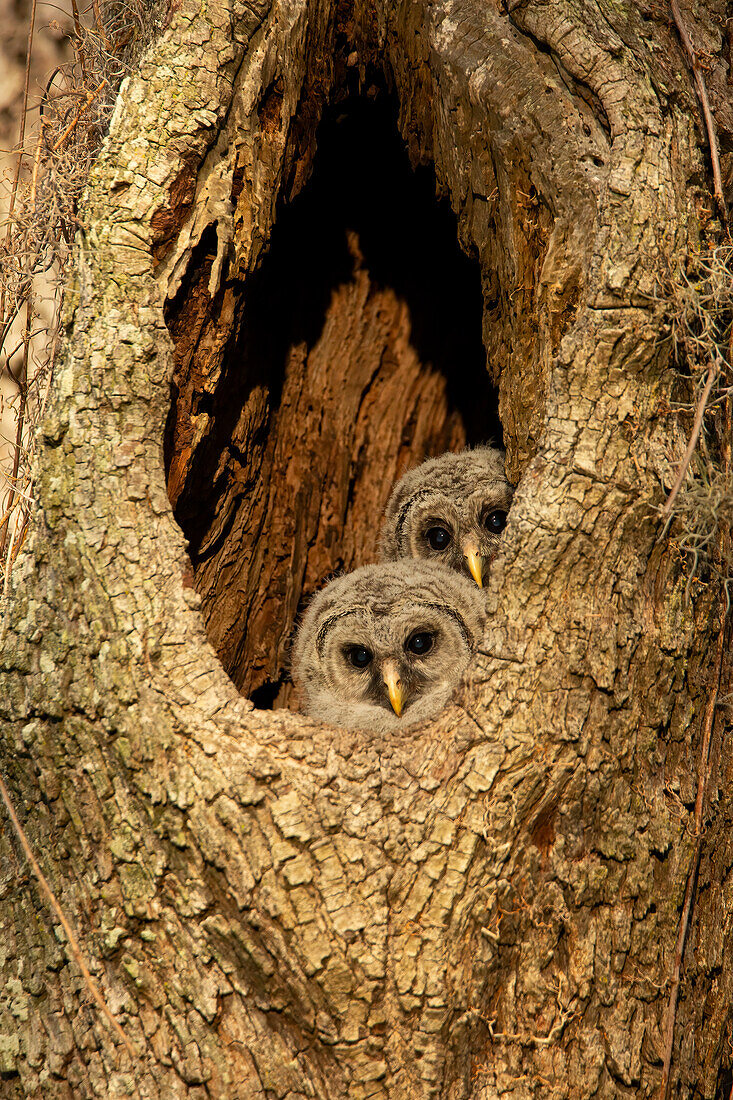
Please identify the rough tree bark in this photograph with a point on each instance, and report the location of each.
(274, 908)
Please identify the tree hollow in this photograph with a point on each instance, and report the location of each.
(353, 352)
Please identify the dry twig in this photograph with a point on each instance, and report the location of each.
(23, 115)
(700, 301)
(89, 99)
(702, 782)
(702, 779)
(707, 114)
(35, 247)
(68, 930)
(20, 424)
(694, 437)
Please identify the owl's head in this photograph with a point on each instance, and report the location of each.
(451, 509)
(385, 646)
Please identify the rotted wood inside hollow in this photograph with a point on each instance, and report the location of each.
(352, 353)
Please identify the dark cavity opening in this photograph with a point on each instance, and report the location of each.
(352, 353)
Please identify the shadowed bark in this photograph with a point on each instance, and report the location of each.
(274, 908)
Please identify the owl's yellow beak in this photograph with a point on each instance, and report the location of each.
(475, 561)
(392, 681)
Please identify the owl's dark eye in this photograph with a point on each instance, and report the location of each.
(438, 538)
(359, 656)
(495, 521)
(420, 643)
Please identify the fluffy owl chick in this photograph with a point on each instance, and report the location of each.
(385, 646)
(451, 509)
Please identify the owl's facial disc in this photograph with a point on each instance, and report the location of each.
(450, 510)
(388, 659)
(384, 648)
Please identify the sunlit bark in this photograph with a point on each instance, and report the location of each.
(273, 908)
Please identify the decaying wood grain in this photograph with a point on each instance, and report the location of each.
(353, 352)
(273, 908)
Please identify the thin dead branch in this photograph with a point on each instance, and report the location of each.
(100, 27)
(707, 114)
(700, 303)
(23, 114)
(702, 405)
(705, 331)
(703, 774)
(20, 425)
(79, 39)
(68, 930)
(36, 243)
(702, 784)
(90, 97)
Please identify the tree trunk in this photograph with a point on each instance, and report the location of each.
(270, 320)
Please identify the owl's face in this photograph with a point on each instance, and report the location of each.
(386, 646)
(451, 510)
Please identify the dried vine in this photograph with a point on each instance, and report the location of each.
(41, 223)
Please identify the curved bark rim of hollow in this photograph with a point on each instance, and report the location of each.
(208, 204)
(355, 352)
